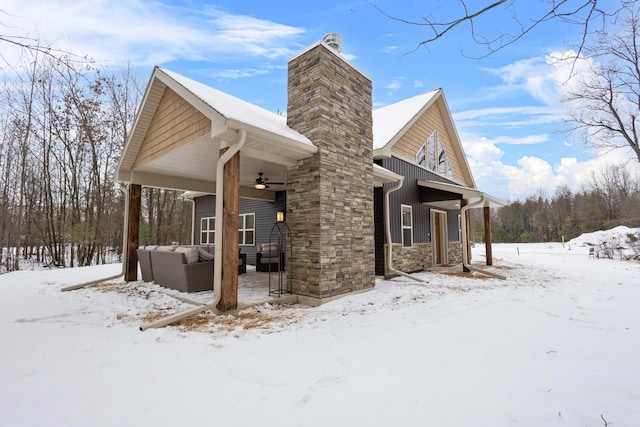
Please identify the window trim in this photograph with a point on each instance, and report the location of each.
(209, 232)
(404, 227)
(241, 223)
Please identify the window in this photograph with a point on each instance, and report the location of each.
(407, 226)
(207, 230)
(247, 229)
(433, 157)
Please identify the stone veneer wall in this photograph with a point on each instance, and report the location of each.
(455, 253)
(330, 196)
(419, 257)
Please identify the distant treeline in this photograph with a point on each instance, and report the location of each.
(611, 199)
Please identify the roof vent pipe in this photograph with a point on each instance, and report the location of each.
(334, 40)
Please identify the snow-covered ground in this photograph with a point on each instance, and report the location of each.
(556, 344)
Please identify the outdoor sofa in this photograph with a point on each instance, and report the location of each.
(184, 268)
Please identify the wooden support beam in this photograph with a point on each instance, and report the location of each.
(133, 232)
(230, 214)
(487, 234)
(467, 247)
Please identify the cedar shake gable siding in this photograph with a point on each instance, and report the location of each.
(176, 123)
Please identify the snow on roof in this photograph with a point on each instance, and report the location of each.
(389, 120)
(237, 109)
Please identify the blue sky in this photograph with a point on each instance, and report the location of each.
(506, 107)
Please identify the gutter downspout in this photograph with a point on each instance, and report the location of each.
(465, 261)
(387, 225)
(217, 262)
(125, 230)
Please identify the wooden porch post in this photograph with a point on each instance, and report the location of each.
(467, 247)
(487, 234)
(230, 212)
(133, 235)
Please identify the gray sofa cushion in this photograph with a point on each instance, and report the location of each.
(204, 255)
(190, 253)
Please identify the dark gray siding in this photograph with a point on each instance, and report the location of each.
(265, 218)
(409, 194)
(378, 219)
(452, 225)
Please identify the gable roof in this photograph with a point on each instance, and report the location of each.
(236, 109)
(269, 139)
(391, 122)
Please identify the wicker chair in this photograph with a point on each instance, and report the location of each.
(144, 258)
(269, 257)
(171, 270)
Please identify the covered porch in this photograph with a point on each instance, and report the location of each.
(190, 137)
(452, 197)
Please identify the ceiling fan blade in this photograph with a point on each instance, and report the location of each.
(262, 180)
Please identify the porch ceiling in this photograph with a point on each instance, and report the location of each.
(192, 167)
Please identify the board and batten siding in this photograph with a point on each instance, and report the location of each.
(265, 212)
(409, 194)
(175, 123)
(415, 137)
(379, 229)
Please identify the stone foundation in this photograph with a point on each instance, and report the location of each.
(455, 252)
(419, 257)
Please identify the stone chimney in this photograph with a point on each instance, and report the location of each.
(330, 196)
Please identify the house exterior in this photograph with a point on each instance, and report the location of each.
(417, 139)
(365, 192)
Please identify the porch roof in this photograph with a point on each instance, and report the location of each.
(382, 175)
(448, 196)
(270, 146)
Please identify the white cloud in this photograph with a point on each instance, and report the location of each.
(349, 56)
(523, 140)
(532, 173)
(511, 117)
(533, 75)
(394, 85)
(390, 49)
(483, 130)
(547, 79)
(234, 73)
(136, 30)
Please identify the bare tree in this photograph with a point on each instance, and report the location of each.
(62, 131)
(525, 16)
(29, 43)
(605, 96)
